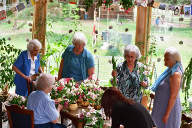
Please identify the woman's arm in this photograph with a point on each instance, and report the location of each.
(59, 108)
(40, 70)
(175, 81)
(91, 71)
(14, 68)
(60, 69)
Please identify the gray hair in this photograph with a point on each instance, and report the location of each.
(45, 81)
(33, 43)
(174, 54)
(132, 48)
(80, 38)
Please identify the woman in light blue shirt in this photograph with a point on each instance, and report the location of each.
(77, 62)
(46, 115)
(26, 66)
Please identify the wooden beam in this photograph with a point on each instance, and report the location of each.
(143, 24)
(39, 22)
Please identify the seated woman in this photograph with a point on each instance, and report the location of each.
(45, 113)
(77, 62)
(27, 66)
(125, 111)
(128, 75)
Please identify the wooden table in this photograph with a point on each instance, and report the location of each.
(72, 115)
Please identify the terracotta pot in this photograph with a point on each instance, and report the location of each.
(85, 104)
(97, 107)
(73, 107)
(80, 101)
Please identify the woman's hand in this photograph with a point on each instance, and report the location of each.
(60, 107)
(28, 78)
(114, 73)
(165, 118)
(144, 84)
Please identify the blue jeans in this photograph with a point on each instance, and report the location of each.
(50, 125)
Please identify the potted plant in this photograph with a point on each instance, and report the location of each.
(92, 118)
(8, 55)
(187, 76)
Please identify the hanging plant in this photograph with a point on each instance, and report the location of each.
(187, 76)
(107, 3)
(88, 4)
(126, 4)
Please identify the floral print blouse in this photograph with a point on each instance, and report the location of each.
(129, 82)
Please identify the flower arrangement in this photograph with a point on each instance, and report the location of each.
(67, 91)
(92, 118)
(18, 100)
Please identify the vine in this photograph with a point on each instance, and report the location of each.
(187, 75)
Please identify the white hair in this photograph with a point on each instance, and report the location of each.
(80, 38)
(45, 81)
(33, 43)
(132, 48)
(173, 53)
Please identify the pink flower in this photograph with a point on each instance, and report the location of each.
(60, 88)
(66, 104)
(77, 85)
(67, 80)
(81, 115)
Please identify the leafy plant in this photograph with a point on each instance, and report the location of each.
(114, 68)
(107, 3)
(92, 118)
(126, 3)
(187, 76)
(18, 100)
(8, 54)
(88, 4)
(58, 42)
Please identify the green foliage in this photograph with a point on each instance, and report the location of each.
(187, 76)
(54, 51)
(88, 4)
(126, 3)
(107, 3)
(114, 68)
(18, 100)
(8, 54)
(58, 42)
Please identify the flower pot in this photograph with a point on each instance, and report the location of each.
(80, 101)
(97, 107)
(85, 104)
(73, 107)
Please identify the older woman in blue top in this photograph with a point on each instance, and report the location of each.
(77, 62)
(128, 75)
(46, 115)
(26, 66)
(167, 109)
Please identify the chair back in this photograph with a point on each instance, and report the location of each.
(20, 118)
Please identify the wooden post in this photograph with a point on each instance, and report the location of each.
(39, 22)
(143, 24)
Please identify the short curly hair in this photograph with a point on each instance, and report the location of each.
(133, 48)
